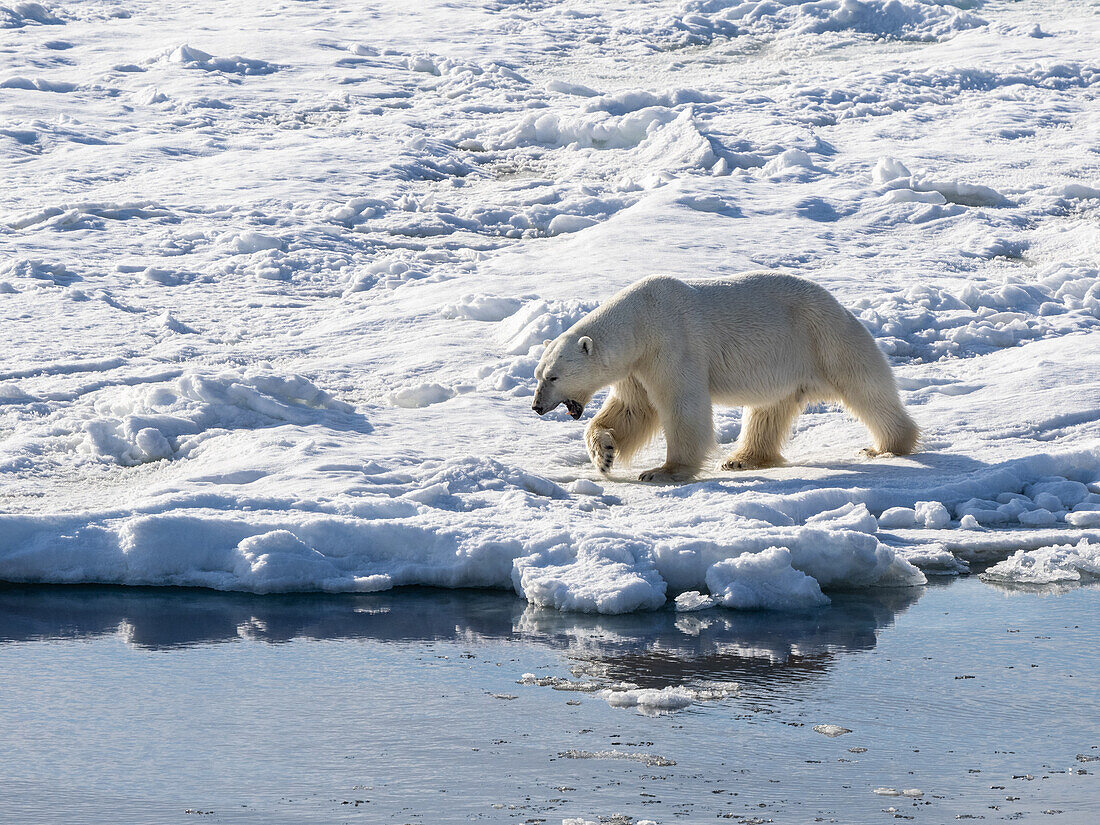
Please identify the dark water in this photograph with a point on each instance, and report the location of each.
(151, 706)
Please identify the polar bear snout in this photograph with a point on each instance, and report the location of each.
(543, 405)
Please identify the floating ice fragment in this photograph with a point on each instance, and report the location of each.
(1048, 565)
(650, 760)
(651, 700)
(831, 730)
(693, 600)
(887, 791)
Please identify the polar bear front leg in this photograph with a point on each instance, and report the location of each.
(624, 424)
(685, 415)
(601, 447)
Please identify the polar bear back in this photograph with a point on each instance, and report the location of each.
(759, 335)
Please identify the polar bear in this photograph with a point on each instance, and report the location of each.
(768, 341)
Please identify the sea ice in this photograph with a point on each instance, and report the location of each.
(272, 320)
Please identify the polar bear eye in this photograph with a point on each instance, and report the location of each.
(552, 378)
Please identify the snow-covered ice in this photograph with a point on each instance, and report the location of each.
(1063, 564)
(273, 288)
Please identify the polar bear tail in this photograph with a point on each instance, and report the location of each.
(861, 377)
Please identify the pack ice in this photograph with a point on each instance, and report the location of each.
(273, 292)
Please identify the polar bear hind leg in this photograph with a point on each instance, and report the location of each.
(867, 389)
(880, 410)
(764, 431)
(857, 372)
(626, 423)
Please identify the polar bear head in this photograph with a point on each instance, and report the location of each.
(569, 373)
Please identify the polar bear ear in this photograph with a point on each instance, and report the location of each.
(547, 342)
(586, 345)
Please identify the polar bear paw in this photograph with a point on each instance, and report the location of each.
(667, 475)
(871, 452)
(601, 449)
(737, 462)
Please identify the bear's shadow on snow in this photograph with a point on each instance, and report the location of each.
(652, 648)
(918, 472)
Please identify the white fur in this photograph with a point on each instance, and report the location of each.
(767, 341)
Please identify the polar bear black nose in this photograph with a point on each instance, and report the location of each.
(537, 407)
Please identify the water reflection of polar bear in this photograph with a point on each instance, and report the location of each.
(767, 341)
(653, 648)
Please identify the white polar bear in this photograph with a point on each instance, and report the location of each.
(767, 341)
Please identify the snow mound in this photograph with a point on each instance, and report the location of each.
(481, 308)
(137, 424)
(19, 15)
(415, 396)
(659, 138)
(1061, 564)
(194, 58)
(537, 321)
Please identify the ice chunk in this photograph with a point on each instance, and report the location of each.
(932, 514)
(1067, 492)
(279, 561)
(1049, 565)
(693, 600)
(898, 517)
(245, 243)
(850, 516)
(1083, 518)
(935, 559)
(831, 730)
(597, 575)
(764, 580)
(1037, 518)
(650, 760)
(650, 700)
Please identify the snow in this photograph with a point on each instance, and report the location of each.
(274, 288)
